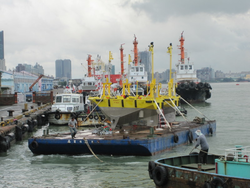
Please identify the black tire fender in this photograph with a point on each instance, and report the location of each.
(34, 144)
(218, 181)
(151, 167)
(190, 136)
(102, 117)
(176, 138)
(160, 176)
(91, 116)
(206, 185)
(96, 117)
(57, 116)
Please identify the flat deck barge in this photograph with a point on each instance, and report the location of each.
(130, 140)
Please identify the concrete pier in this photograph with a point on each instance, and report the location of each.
(17, 120)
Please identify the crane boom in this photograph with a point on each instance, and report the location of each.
(30, 88)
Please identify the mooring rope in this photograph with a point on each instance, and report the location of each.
(203, 151)
(194, 108)
(86, 142)
(93, 109)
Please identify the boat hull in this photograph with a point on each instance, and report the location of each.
(194, 93)
(176, 176)
(138, 144)
(61, 119)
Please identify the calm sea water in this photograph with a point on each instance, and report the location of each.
(229, 106)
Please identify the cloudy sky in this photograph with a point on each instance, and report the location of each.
(217, 32)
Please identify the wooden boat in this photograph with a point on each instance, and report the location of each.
(227, 171)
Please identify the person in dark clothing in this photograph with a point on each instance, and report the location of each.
(202, 141)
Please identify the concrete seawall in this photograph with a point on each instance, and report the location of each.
(19, 119)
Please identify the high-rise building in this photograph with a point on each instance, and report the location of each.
(63, 69)
(145, 58)
(2, 60)
(37, 69)
(1, 45)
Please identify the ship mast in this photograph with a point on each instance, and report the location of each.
(135, 52)
(89, 60)
(122, 61)
(181, 47)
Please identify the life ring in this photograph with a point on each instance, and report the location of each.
(211, 130)
(176, 138)
(34, 145)
(57, 116)
(96, 117)
(190, 136)
(91, 116)
(151, 167)
(206, 185)
(218, 181)
(160, 176)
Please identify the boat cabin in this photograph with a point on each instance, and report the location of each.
(68, 102)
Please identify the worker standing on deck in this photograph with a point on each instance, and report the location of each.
(201, 140)
(72, 126)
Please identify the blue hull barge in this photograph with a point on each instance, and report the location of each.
(131, 140)
(229, 171)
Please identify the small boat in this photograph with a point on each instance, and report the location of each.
(228, 171)
(66, 105)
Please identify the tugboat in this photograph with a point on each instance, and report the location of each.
(230, 170)
(190, 88)
(66, 104)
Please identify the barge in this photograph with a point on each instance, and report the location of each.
(130, 140)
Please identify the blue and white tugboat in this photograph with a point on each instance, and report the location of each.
(227, 171)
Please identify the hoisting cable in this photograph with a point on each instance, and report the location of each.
(86, 142)
(205, 151)
(177, 109)
(194, 108)
(162, 115)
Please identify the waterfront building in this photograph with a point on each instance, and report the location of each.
(23, 80)
(2, 60)
(206, 74)
(63, 69)
(7, 82)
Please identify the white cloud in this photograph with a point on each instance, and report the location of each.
(43, 31)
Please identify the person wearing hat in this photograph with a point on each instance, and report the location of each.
(72, 126)
(202, 141)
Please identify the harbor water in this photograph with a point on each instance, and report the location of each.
(19, 167)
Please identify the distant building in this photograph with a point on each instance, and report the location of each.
(205, 74)
(63, 69)
(2, 60)
(145, 58)
(219, 74)
(37, 69)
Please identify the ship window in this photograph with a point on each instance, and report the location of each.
(59, 99)
(89, 83)
(132, 69)
(190, 67)
(66, 98)
(141, 69)
(186, 67)
(142, 77)
(137, 69)
(75, 99)
(81, 99)
(181, 67)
